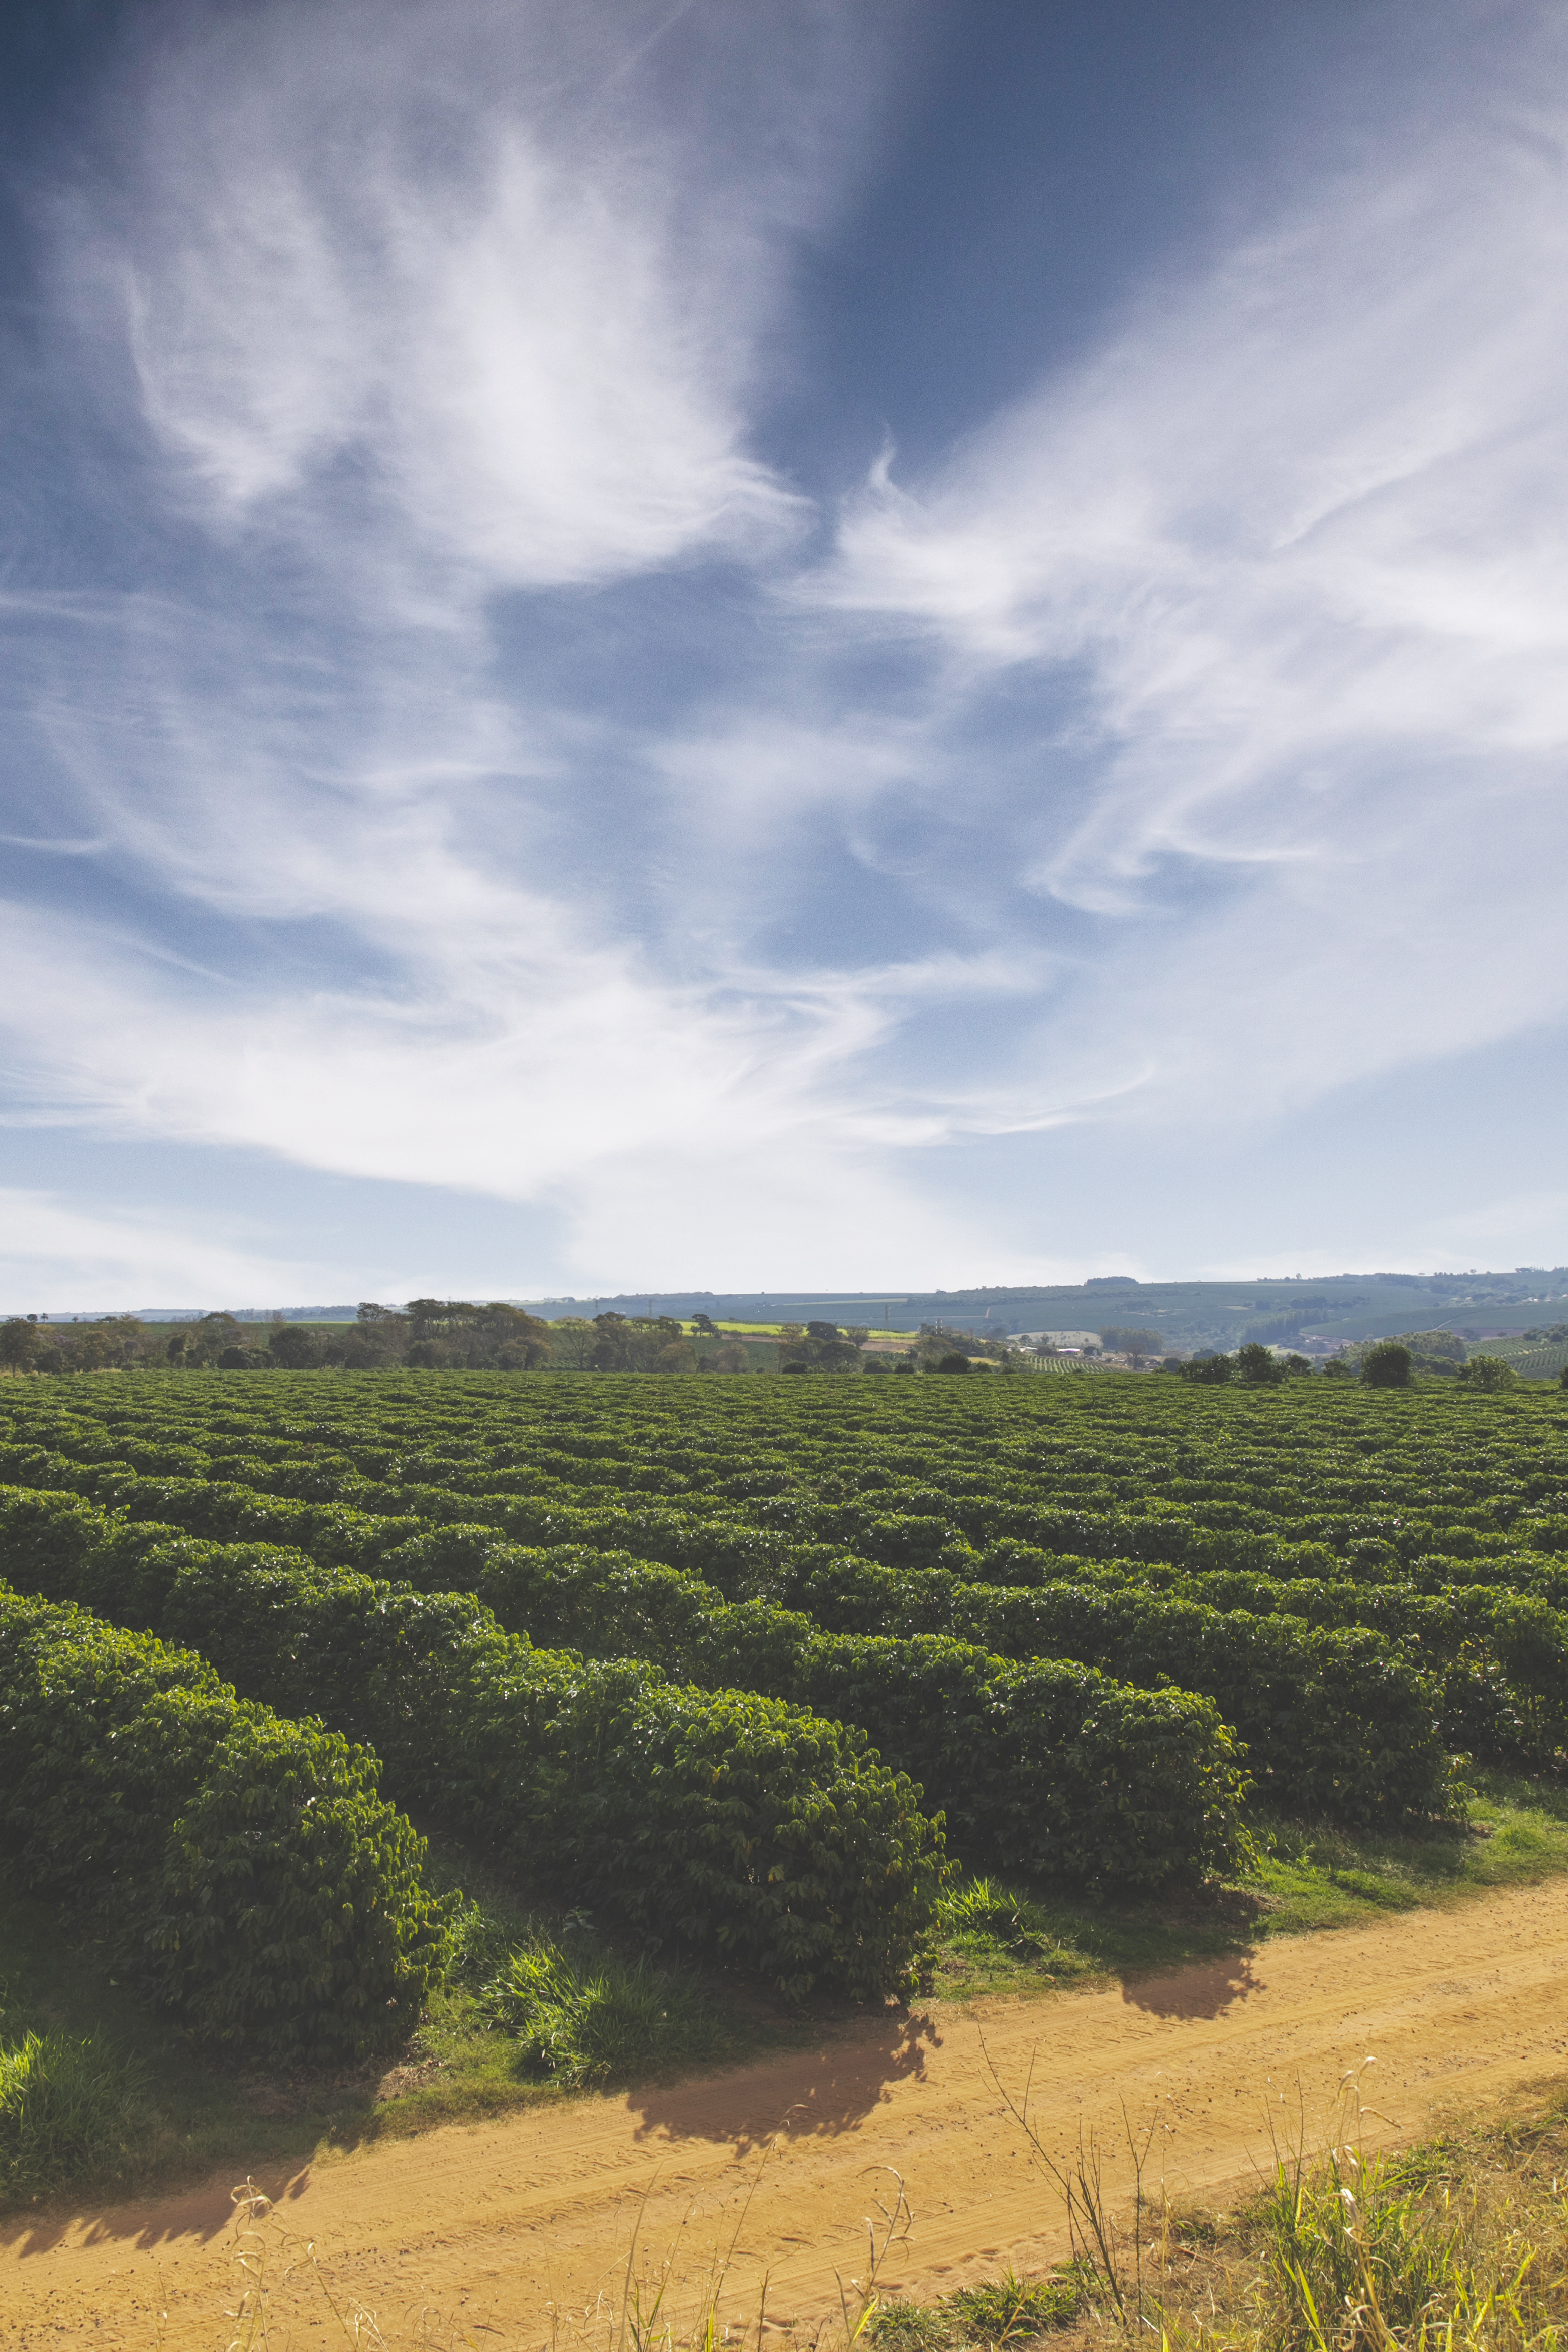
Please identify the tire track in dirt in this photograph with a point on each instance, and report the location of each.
(493, 2223)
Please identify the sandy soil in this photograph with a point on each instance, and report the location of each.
(492, 2224)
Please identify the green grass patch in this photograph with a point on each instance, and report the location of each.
(69, 2103)
(1456, 2243)
(541, 2003)
(134, 2104)
(996, 1935)
(584, 2018)
(1004, 2311)
(114, 2098)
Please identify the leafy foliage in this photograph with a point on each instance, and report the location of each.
(247, 1874)
(68, 2103)
(593, 2020)
(1075, 1612)
(723, 1818)
(1489, 1374)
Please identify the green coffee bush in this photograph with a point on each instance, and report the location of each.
(727, 1819)
(243, 1870)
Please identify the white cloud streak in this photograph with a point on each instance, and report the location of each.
(439, 270)
(399, 378)
(58, 1258)
(441, 315)
(1299, 524)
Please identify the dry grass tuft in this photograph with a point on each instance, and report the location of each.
(656, 2302)
(1457, 2246)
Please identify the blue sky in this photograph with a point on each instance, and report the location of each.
(837, 643)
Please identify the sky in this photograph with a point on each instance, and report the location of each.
(856, 642)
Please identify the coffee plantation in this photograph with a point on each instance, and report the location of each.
(742, 1663)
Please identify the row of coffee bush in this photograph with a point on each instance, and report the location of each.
(1049, 1765)
(746, 1560)
(1114, 1472)
(720, 1820)
(240, 1870)
(1336, 1719)
(1337, 1712)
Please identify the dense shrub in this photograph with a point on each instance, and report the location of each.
(1419, 1517)
(1047, 1766)
(1339, 1722)
(242, 1868)
(727, 1819)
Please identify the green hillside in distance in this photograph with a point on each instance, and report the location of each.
(1275, 1308)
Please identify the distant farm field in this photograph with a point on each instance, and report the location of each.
(1532, 1359)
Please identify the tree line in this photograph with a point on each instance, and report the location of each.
(433, 1333)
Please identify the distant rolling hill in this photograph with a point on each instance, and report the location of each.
(1186, 1314)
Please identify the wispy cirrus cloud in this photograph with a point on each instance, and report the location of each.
(389, 375)
(1291, 541)
(496, 787)
(55, 1249)
(483, 284)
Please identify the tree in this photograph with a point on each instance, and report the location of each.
(369, 1345)
(1386, 1366)
(1256, 1366)
(704, 1323)
(1121, 1342)
(113, 1339)
(495, 1337)
(20, 1346)
(572, 1342)
(209, 1334)
(1207, 1369)
(1435, 1345)
(1491, 1374)
(822, 1347)
(632, 1343)
(935, 1341)
(520, 1341)
(952, 1362)
(294, 1346)
(428, 1314)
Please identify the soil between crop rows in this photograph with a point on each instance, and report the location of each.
(492, 2224)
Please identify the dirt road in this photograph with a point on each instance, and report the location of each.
(491, 2223)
